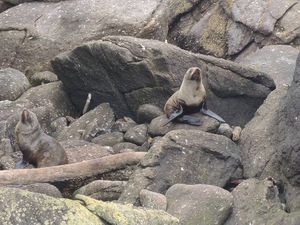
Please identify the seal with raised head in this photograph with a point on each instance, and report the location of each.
(190, 98)
(38, 148)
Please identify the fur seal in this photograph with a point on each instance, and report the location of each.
(38, 148)
(190, 98)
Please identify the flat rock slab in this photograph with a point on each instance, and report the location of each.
(157, 126)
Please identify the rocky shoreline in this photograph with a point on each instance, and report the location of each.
(97, 75)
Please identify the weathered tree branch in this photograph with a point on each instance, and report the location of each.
(70, 171)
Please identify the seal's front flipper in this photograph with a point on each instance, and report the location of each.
(174, 115)
(21, 164)
(190, 120)
(210, 113)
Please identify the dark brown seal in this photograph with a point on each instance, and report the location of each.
(190, 98)
(38, 148)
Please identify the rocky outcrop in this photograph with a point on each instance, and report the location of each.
(18, 206)
(199, 204)
(228, 28)
(128, 72)
(278, 61)
(182, 156)
(32, 33)
(270, 142)
(257, 202)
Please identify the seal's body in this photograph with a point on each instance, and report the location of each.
(191, 93)
(38, 148)
(190, 98)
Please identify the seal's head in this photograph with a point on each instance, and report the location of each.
(192, 91)
(28, 122)
(193, 74)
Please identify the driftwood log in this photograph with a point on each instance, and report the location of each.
(75, 171)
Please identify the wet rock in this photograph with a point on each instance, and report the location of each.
(184, 156)
(278, 61)
(153, 200)
(43, 78)
(157, 126)
(264, 149)
(104, 190)
(147, 112)
(13, 83)
(225, 130)
(199, 204)
(109, 139)
(38, 208)
(137, 134)
(80, 150)
(42, 188)
(95, 122)
(148, 72)
(127, 214)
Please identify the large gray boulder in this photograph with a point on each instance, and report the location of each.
(128, 72)
(263, 142)
(41, 30)
(270, 142)
(199, 204)
(257, 202)
(278, 61)
(13, 83)
(183, 156)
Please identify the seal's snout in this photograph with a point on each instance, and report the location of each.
(196, 74)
